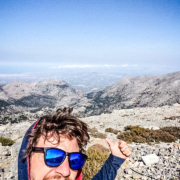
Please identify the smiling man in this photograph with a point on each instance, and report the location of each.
(53, 149)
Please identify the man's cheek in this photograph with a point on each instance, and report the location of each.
(37, 159)
(38, 168)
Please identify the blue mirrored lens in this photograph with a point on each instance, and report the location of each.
(77, 160)
(54, 157)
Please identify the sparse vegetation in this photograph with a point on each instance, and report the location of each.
(97, 155)
(175, 131)
(35, 110)
(171, 118)
(142, 135)
(111, 130)
(6, 141)
(125, 115)
(94, 132)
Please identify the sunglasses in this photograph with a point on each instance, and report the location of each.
(54, 157)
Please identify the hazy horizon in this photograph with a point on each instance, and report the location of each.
(41, 36)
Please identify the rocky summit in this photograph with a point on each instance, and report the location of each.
(148, 161)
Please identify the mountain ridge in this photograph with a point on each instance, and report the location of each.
(129, 92)
(141, 91)
(50, 93)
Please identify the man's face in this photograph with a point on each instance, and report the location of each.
(40, 171)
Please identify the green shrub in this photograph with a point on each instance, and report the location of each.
(97, 155)
(6, 141)
(111, 130)
(94, 132)
(142, 135)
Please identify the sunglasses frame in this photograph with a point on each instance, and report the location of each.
(41, 149)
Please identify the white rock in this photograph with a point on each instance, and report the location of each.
(136, 164)
(3, 128)
(150, 159)
(152, 127)
(141, 164)
(176, 105)
(155, 128)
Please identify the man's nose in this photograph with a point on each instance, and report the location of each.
(64, 168)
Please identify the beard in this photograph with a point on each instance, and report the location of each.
(57, 177)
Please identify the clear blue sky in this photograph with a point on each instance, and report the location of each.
(50, 33)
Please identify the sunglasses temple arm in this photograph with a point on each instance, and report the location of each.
(38, 149)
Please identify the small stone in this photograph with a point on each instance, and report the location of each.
(128, 171)
(141, 164)
(127, 176)
(176, 145)
(136, 164)
(136, 176)
(132, 160)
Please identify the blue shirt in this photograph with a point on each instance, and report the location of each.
(109, 169)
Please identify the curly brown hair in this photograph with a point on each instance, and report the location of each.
(61, 122)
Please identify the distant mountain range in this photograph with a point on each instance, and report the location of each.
(52, 93)
(84, 81)
(130, 92)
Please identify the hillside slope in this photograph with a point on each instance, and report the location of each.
(130, 92)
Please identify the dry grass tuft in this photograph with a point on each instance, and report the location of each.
(97, 155)
(6, 141)
(142, 135)
(94, 132)
(171, 118)
(175, 131)
(111, 130)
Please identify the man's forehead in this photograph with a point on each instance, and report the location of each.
(63, 142)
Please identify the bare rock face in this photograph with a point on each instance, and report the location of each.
(130, 92)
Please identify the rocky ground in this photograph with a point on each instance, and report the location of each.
(166, 167)
(145, 117)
